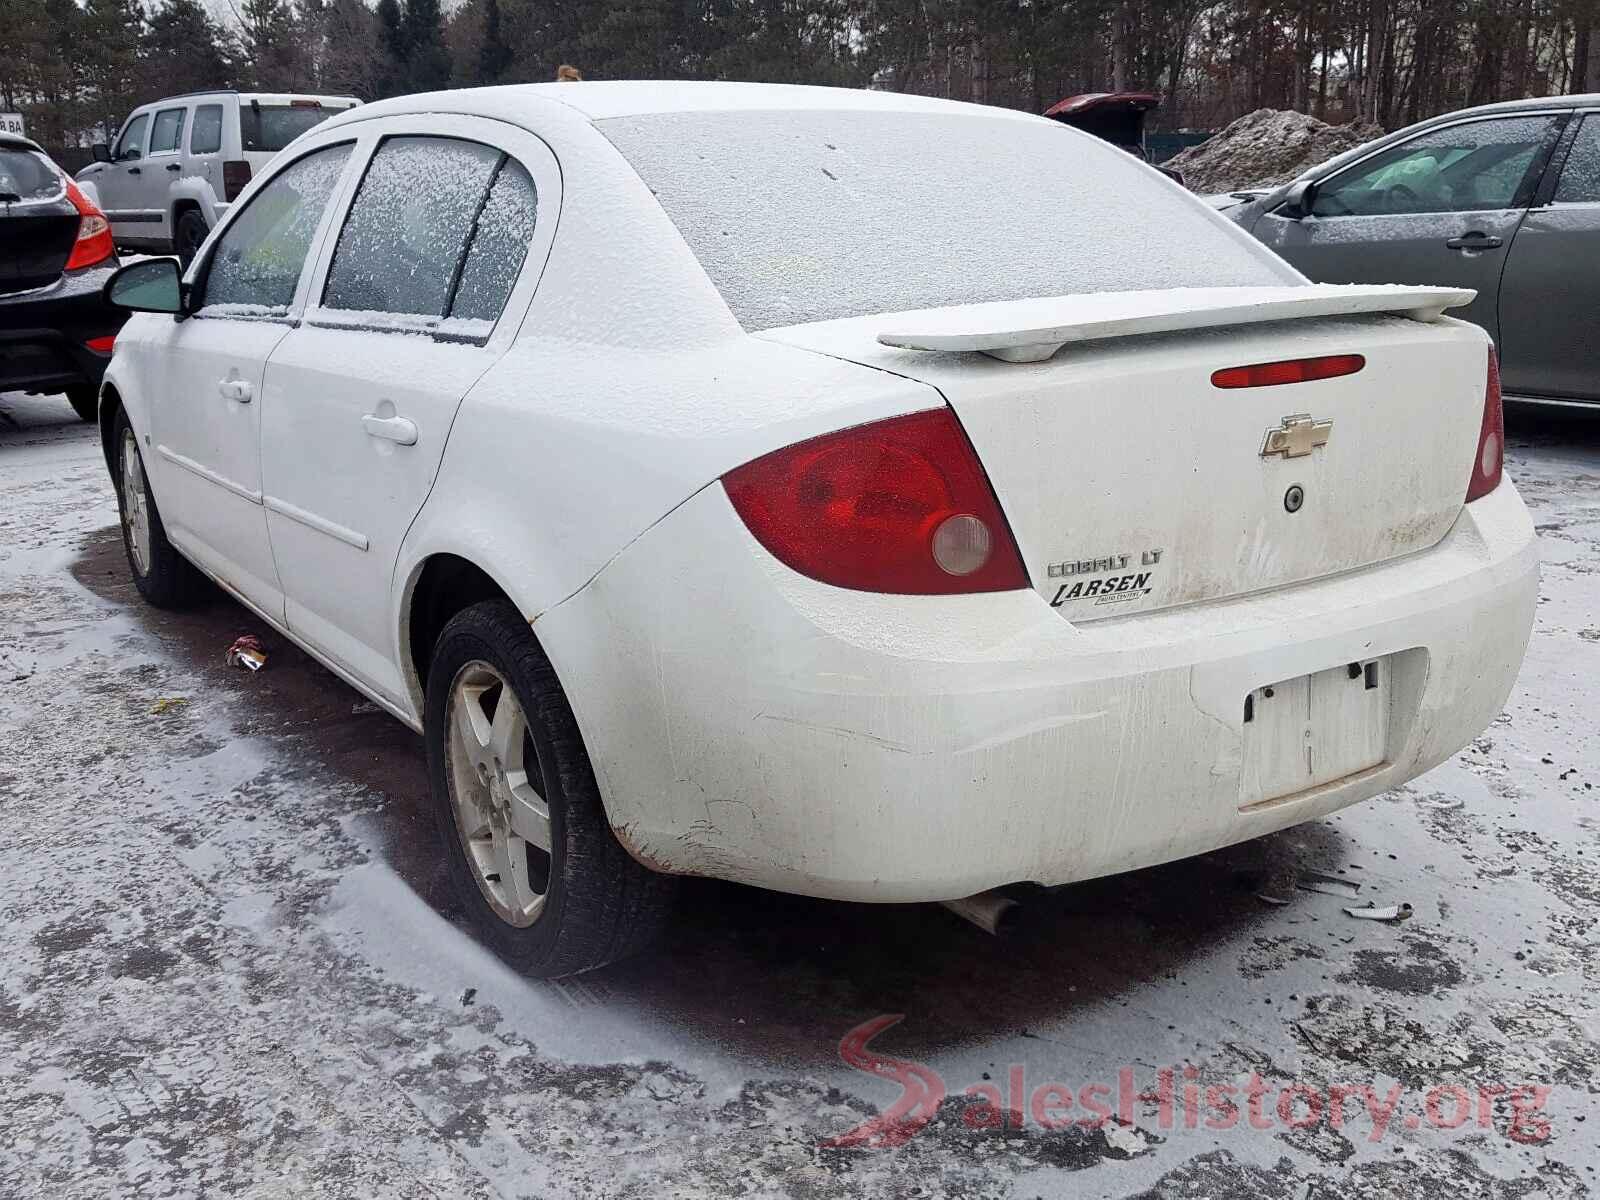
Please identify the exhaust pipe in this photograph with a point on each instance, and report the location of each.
(992, 912)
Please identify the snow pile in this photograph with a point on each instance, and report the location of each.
(1266, 147)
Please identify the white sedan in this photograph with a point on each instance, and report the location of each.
(859, 495)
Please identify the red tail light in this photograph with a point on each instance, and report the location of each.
(1294, 370)
(103, 345)
(94, 244)
(1488, 466)
(235, 177)
(898, 506)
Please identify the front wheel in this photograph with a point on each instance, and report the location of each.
(533, 861)
(163, 576)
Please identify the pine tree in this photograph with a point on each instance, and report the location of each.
(494, 54)
(183, 50)
(393, 49)
(428, 62)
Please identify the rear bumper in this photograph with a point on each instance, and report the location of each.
(750, 724)
(43, 334)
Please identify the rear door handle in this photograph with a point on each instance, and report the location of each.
(174, 167)
(1474, 241)
(390, 429)
(235, 389)
(134, 171)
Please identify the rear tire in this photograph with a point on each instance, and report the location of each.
(85, 401)
(163, 576)
(189, 236)
(505, 780)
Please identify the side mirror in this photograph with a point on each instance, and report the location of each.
(1299, 200)
(101, 152)
(153, 285)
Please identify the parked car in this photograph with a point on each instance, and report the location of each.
(693, 464)
(1504, 199)
(56, 329)
(177, 164)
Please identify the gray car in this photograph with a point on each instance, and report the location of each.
(1503, 198)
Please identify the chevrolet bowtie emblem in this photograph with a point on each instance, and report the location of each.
(1296, 436)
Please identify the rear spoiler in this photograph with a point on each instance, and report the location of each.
(1024, 331)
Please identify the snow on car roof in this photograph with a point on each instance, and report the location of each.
(605, 100)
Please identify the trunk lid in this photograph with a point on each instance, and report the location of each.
(38, 225)
(1132, 483)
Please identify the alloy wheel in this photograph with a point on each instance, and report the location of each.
(493, 776)
(135, 504)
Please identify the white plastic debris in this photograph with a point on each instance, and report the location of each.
(1389, 912)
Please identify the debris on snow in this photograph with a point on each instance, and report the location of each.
(1265, 148)
(168, 704)
(247, 652)
(1328, 885)
(1125, 1138)
(1390, 912)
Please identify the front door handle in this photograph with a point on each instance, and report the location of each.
(1474, 241)
(390, 429)
(174, 167)
(237, 390)
(134, 171)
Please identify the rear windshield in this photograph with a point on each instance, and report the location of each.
(26, 175)
(811, 215)
(274, 126)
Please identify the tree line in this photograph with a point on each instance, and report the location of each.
(75, 67)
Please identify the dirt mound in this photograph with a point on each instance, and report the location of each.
(1268, 146)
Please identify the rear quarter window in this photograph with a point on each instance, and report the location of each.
(811, 215)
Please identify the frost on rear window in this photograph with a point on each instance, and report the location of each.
(404, 237)
(808, 216)
(499, 244)
(1580, 178)
(258, 261)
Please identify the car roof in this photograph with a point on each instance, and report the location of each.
(607, 100)
(246, 97)
(15, 141)
(1583, 100)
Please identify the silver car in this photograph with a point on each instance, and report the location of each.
(1503, 198)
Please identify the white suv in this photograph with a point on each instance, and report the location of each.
(177, 164)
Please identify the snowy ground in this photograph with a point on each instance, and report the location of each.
(229, 967)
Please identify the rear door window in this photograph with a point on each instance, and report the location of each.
(257, 263)
(205, 132)
(167, 132)
(402, 251)
(131, 144)
(1580, 177)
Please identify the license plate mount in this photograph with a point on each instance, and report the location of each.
(1313, 730)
